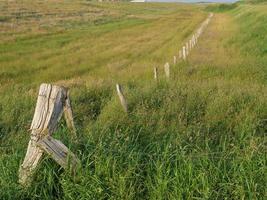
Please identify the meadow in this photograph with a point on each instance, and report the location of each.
(198, 135)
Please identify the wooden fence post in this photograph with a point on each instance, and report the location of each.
(174, 60)
(190, 44)
(187, 49)
(184, 53)
(155, 73)
(52, 102)
(122, 98)
(167, 69)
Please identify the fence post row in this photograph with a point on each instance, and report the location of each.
(54, 101)
(193, 41)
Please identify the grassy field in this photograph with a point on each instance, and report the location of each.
(200, 135)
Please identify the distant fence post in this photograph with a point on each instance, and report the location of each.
(174, 60)
(190, 44)
(184, 53)
(167, 69)
(122, 98)
(52, 102)
(155, 73)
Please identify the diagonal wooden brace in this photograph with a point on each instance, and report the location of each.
(51, 103)
(58, 151)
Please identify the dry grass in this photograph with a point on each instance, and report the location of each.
(129, 40)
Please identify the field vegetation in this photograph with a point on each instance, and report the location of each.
(199, 135)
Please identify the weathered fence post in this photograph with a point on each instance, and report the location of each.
(187, 49)
(155, 73)
(174, 60)
(122, 98)
(167, 69)
(52, 102)
(184, 53)
(190, 44)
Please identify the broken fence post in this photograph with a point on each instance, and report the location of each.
(122, 98)
(52, 102)
(167, 69)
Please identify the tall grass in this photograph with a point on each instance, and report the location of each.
(200, 135)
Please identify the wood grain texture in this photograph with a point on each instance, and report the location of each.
(52, 101)
(58, 151)
(32, 158)
(68, 115)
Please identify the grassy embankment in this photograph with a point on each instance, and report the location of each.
(200, 135)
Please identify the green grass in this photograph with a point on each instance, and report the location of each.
(200, 135)
(221, 7)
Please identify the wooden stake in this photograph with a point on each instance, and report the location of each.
(122, 98)
(187, 49)
(190, 44)
(167, 70)
(155, 73)
(51, 103)
(184, 53)
(174, 60)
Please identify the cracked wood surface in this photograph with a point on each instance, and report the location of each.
(51, 103)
